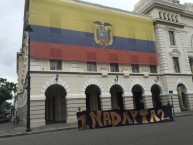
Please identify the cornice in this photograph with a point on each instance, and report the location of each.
(160, 21)
(51, 73)
(164, 5)
(102, 7)
(187, 14)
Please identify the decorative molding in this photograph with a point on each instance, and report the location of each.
(53, 82)
(180, 81)
(137, 82)
(191, 42)
(37, 97)
(175, 53)
(185, 52)
(92, 81)
(161, 50)
(120, 83)
(157, 83)
(76, 96)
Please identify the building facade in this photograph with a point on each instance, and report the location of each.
(91, 57)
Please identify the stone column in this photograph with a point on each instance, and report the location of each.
(169, 17)
(148, 101)
(190, 101)
(128, 101)
(73, 102)
(165, 99)
(37, 113)
(106, 102)
(161, 15)
(176, 103)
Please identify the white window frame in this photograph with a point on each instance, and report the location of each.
(172, 38)
(135, 68)
(91, 66)
(176, 64)
(114, 67)
(153, 68)
(55, 65)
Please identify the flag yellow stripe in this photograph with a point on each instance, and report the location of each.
(72, 16)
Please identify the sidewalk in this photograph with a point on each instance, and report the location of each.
(10, 129)
(182, 114)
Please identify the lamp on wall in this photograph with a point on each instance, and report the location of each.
(116, 79)
(57, 76)
(157, 79)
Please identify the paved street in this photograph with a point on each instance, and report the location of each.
(179, 132)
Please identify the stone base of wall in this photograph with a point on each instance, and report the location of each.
(106, 103)
(71, 119)
(37, 108)
(20, 114)
(128, 102)
(37, 123)
(148, 102)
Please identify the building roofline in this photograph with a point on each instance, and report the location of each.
(102, 7)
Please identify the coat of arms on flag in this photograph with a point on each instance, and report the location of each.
(103, 33)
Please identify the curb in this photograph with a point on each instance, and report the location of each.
(37, 132)
(185, 115)
(60, 129)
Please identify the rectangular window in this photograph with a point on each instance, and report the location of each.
(135, 68)
(176, 64)
(153, 69)
(172, 38)
(91, 66)
(114, 67)
(55, 65)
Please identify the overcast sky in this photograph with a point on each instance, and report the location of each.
(11, 25)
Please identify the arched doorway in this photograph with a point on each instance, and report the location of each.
(116, 97)
(93, 102)
(138, 100)
(55, 104)
(183, 97)
(155, 90)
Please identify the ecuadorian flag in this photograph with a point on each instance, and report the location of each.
(74, 31)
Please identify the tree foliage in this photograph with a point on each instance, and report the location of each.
(4, 107)
(7, 89)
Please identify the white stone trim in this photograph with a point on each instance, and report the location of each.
(37, 97)
(148, 93)
(175, 53)
(181, 81)
(190, 92)
(157, 83)
(185, 52)
(137, 82)
(161, 49)
(24, 98)
(74, 96)
(128, 95)
(191, 42)
(105, 95)
(92, 81)
(120, 83)
(53, 82)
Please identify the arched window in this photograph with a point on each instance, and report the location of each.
(175, 56)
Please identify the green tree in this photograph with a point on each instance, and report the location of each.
(5, 106)
(7, 89)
